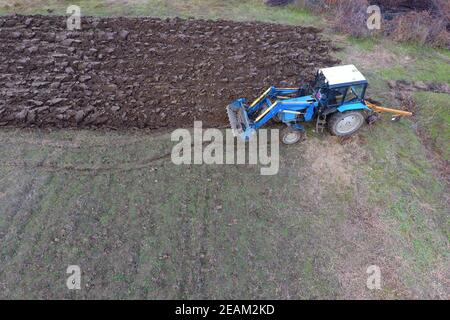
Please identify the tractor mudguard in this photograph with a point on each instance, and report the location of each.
(353, 106)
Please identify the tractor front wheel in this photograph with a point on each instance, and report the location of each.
(345, 123)
(291, 136)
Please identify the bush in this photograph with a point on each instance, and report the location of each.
(350, 17)
(429, 26)
(421, 27)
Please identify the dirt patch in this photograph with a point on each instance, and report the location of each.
(377, 58)
(403, 85)
(402, 91)
(334, 158)
(332, 162)
(144, 72)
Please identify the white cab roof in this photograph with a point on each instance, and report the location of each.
(342, 74)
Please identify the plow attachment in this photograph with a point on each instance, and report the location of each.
(397, 113)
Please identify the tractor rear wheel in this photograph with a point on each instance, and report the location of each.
(345, 123)
(291, 136)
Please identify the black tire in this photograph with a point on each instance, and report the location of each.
(291, 136)
(346, 123)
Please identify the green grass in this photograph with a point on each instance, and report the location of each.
(206, 9)
(416, 63)
(365, 43)
(402, 181)
(423, 69)
(433, 109)
(400, 151)
(434, 115)
(142, 233)
(410, 62)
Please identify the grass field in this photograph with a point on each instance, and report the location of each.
(140, 227)
(250, 10)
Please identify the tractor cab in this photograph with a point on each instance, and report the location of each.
(337, 86)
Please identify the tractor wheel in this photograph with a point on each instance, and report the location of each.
(291, 136)
(345, 123)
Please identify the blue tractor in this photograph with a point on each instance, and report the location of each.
(336, 101)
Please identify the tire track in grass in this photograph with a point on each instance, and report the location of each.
(21, 233)
(203, 234)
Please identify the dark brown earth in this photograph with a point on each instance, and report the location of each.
(144, 72)
(405, 87)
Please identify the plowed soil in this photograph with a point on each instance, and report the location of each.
(145, 72)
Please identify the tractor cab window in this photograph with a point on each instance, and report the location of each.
(336, 96)
(355, 92)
